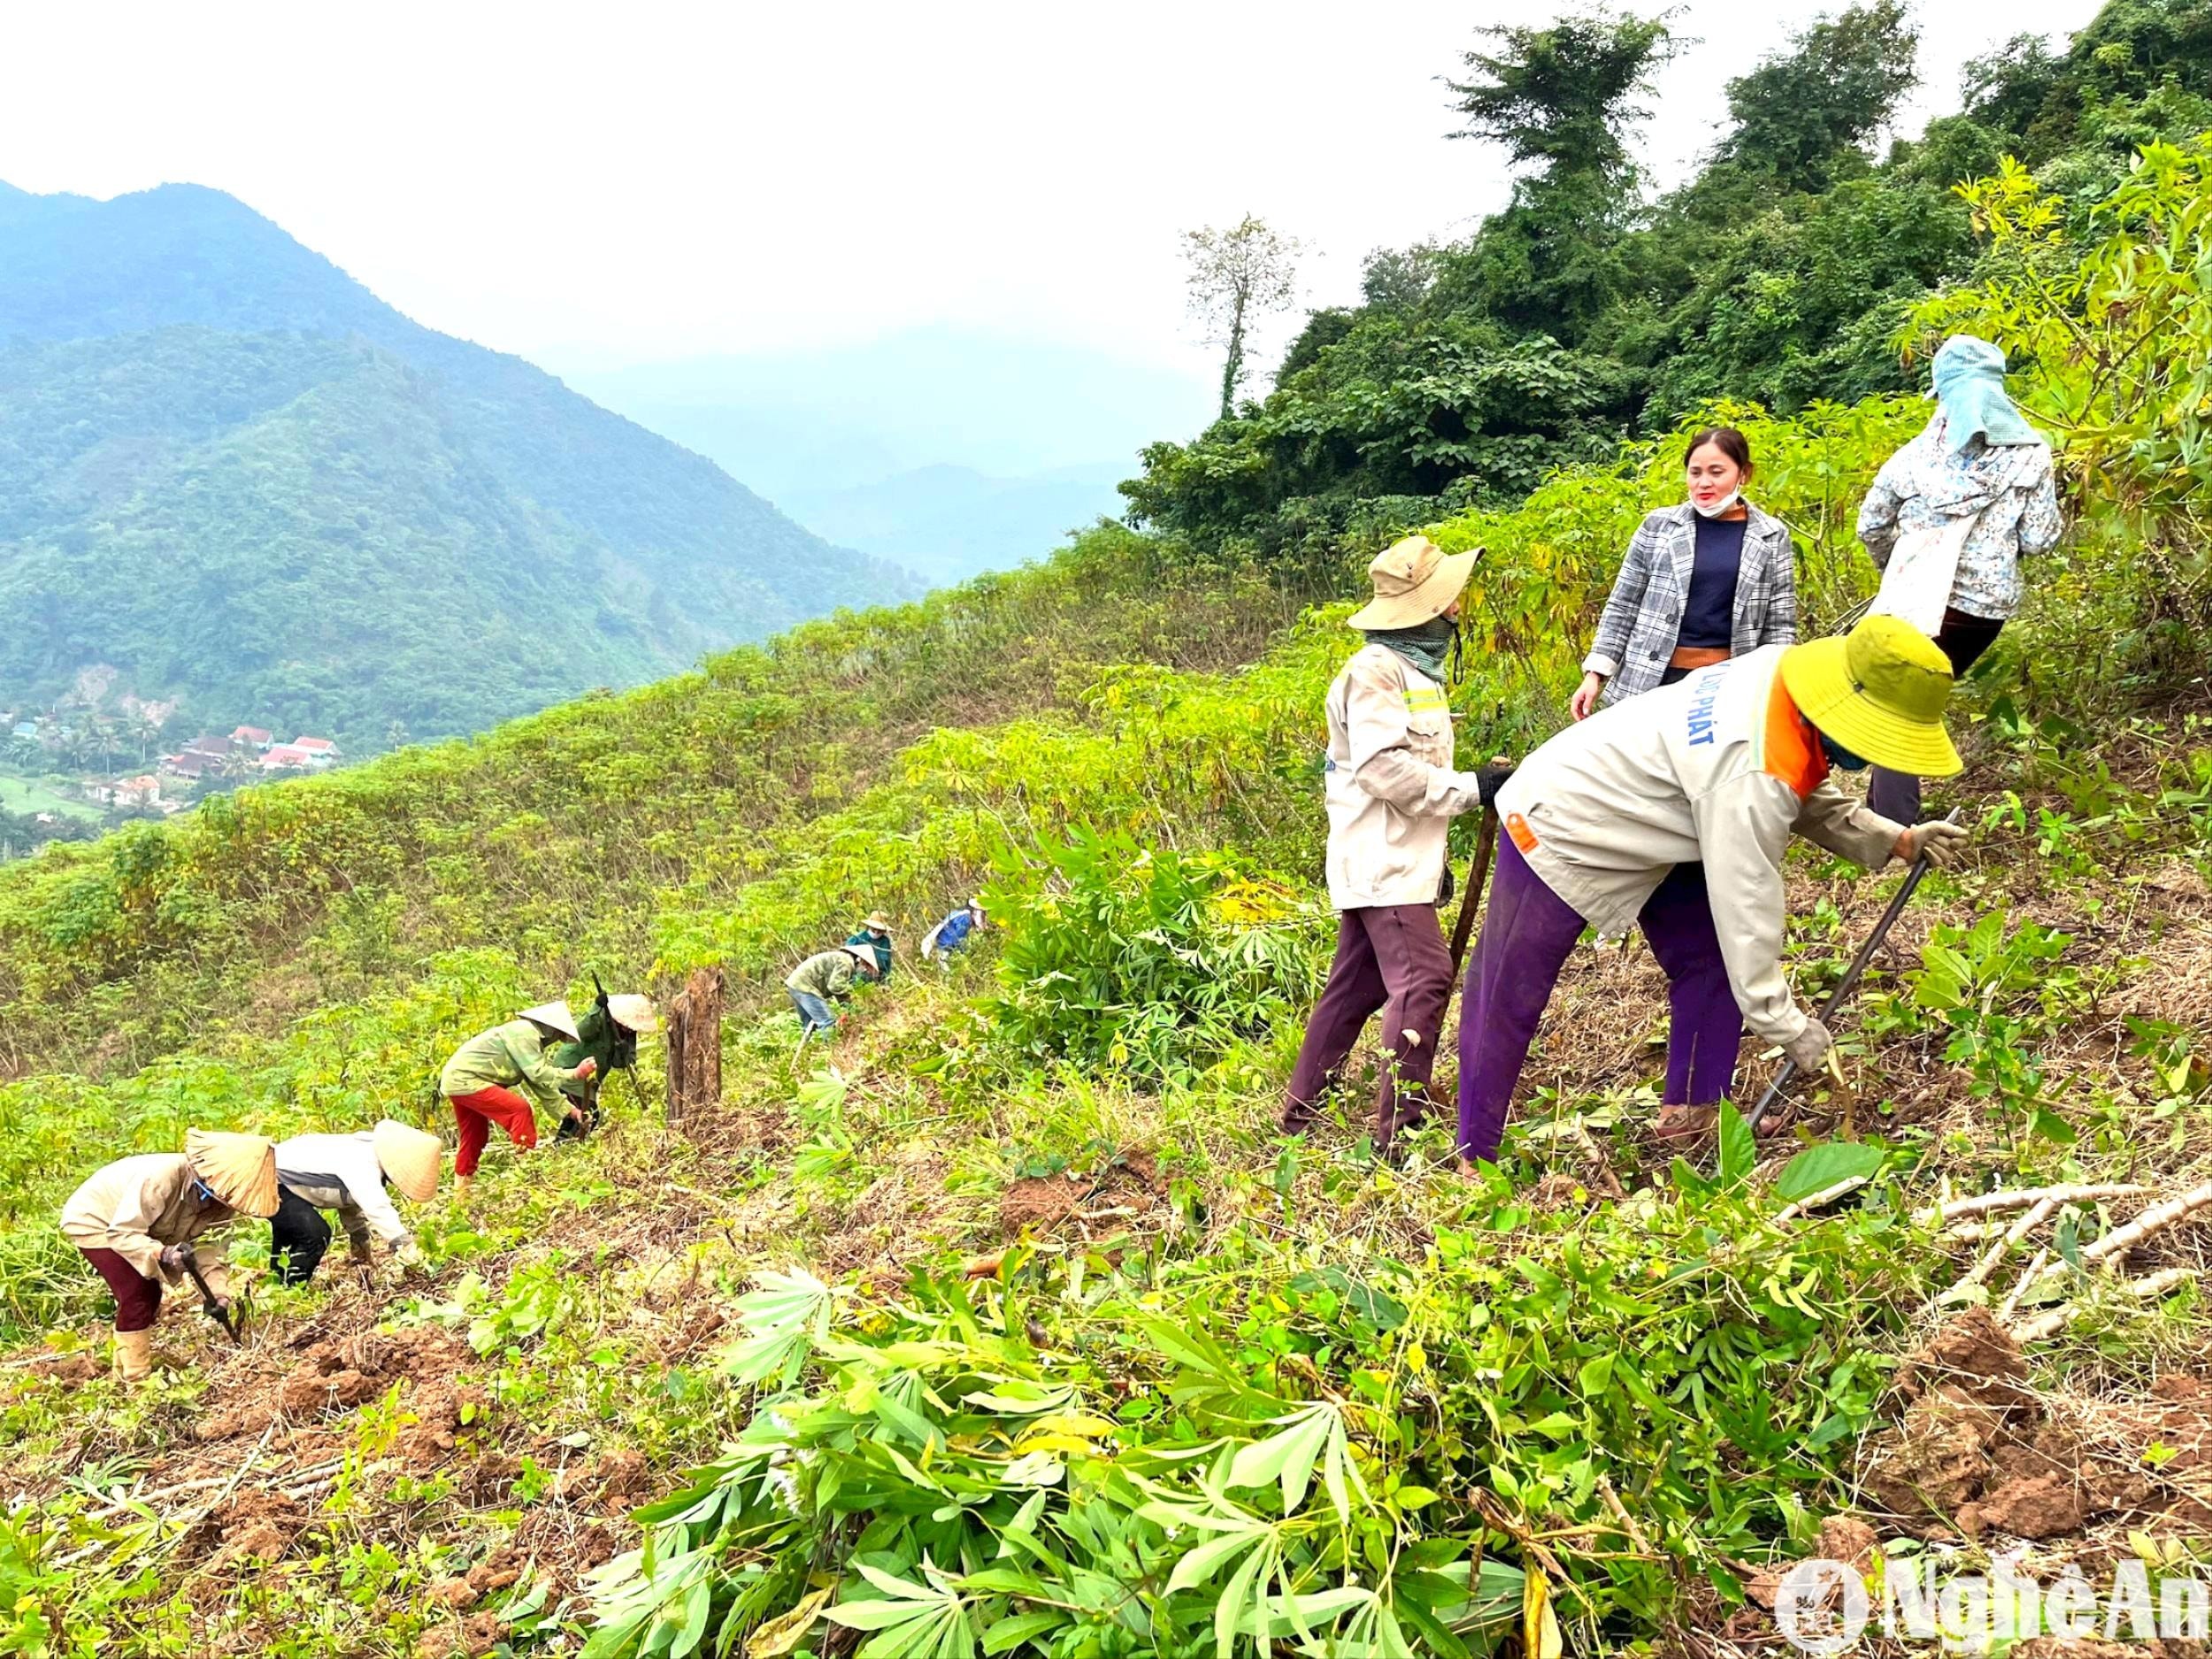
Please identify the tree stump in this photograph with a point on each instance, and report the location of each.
(695, 1045)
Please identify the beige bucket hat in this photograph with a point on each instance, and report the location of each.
(240, 1170)
(1415, 581)
(633, 1012)
(553, 1016)
(411, 1157)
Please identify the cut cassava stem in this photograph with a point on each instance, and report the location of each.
(2120, 1240)
(1981, 1270)
(2033, 1271)
(1821, 1200)
(2059, 1317)
(1982, 1203)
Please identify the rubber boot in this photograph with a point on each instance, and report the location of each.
(133, 1355)
(461, 1185)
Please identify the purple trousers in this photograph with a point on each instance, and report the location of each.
(1392, 957)
(1527, 934)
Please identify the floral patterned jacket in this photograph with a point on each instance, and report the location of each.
(1926, 484)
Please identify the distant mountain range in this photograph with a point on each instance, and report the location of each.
(952, 450)
(951, 523)
(230, 472)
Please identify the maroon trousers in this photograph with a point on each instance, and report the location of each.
(137, 1298)
(1392, 957)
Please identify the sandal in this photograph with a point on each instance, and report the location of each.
(1685, 1125)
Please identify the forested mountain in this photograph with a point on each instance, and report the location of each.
(1588, 310)
(230, 472)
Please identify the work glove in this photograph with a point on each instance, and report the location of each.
(1491, 779)
(1808, 1049)
(1942, 842)
(358, 1249)
(173, 1257)
(409, 1257)
(587, 1069)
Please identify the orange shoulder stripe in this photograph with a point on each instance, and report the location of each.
(1793, 748)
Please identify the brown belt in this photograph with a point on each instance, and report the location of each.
(1697, 656)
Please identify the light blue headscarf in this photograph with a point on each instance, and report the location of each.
(1970, 385)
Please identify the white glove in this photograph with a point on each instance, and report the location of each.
(1942, 843)
(1808, 1049)
(409, 1257)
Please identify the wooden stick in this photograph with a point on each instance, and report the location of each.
(2050, 1324)
(2020, 1288)
(1823, 1198)
(2003, 1248)
(2118, 1242)
(1982, 1203)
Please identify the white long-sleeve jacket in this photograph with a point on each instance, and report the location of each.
(1719, 767)
(340, 1172)
(1392, 792)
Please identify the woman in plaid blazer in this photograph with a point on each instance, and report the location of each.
(1704, 581)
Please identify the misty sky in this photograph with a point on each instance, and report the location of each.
(595, 186)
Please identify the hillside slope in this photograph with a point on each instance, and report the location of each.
(968, 1189)
(1001, 1320)
(206, 422)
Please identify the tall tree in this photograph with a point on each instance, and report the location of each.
(1235, 277)
(1563, 99)
(1804, 110)
(1563, 103)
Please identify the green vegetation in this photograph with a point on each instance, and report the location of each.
(237, 478)
(1780, 275)
(1001, 1321)
(25, 796)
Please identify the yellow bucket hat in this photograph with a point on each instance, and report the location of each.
(411, 1157)
(1415, 581)
(1879, 691)
(240, 1170)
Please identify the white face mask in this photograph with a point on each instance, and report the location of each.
(1725, 504)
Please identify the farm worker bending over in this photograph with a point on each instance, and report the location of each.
(951, 933)
(136, 1219)
(825, 978)
(349, 1173)
(875, 932)
(607, 1034)
(1391, 793)
(1720, 768)
(481, 1080)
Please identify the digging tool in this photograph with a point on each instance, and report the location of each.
(1464, 924)
(1477, 875)
(1850, 981)
(209, 1303)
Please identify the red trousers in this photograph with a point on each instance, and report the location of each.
(137, 1298)
(477, 1113)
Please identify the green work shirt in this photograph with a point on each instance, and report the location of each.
(828, 974)
(598, 1038)
(506, 1057)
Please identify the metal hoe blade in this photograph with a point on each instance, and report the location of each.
(1850, 981)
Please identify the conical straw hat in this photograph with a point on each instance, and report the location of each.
(554, 1015)
(411, 1157)
(240, 1170)
(633, 1012)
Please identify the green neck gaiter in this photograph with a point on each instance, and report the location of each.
(1426, 646)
